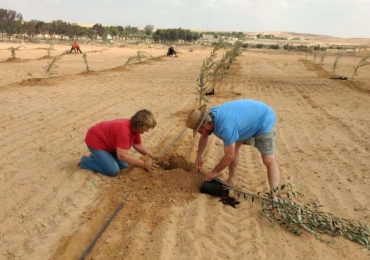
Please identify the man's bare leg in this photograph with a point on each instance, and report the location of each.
(232, 168)
(273, 171)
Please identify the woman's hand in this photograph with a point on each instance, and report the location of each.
(150, 165)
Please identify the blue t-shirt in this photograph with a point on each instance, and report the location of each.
(239, 120)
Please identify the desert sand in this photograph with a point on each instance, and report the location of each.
(51, 209)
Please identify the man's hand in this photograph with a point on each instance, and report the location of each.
(230, 182)
(274, 195)
(199, 162)
(209, 176)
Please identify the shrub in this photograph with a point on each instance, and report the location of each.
(363, 62)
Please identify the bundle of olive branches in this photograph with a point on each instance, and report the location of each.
(297, 218)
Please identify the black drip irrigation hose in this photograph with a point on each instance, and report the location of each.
(101, 231)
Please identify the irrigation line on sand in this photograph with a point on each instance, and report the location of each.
(102, 229)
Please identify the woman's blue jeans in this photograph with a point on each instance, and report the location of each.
(103, 162)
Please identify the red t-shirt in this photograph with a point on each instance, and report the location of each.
(108, 135)
(75, 45)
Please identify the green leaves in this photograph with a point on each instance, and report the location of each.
(297, 218)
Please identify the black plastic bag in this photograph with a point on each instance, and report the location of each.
(215, 187)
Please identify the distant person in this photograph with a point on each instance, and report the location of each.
(171, 51)
(75, 47)
(239, 122)
(110, 141)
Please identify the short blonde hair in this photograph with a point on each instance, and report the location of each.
(142, 119)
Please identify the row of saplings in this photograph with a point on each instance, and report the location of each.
(214, 70)
(319, 58)
(50, 67)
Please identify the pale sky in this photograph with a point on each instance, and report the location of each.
(344, 18)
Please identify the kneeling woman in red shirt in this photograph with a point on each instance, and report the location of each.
(109, 142)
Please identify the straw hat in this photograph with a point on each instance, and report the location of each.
(196, 118)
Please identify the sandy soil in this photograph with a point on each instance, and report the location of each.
(52, 209)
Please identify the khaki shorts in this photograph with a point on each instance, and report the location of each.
(265, 143)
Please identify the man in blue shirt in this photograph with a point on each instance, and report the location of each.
(237, 122)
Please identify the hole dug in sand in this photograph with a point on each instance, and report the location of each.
(176, 180)
(171, 162)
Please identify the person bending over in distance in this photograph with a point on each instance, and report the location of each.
(109, 143)
(171, 51)
(75, 47)
(239, 122)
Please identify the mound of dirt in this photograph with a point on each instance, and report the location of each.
(12, 60)
(140, 57)
(31, 82)
(45, 57)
